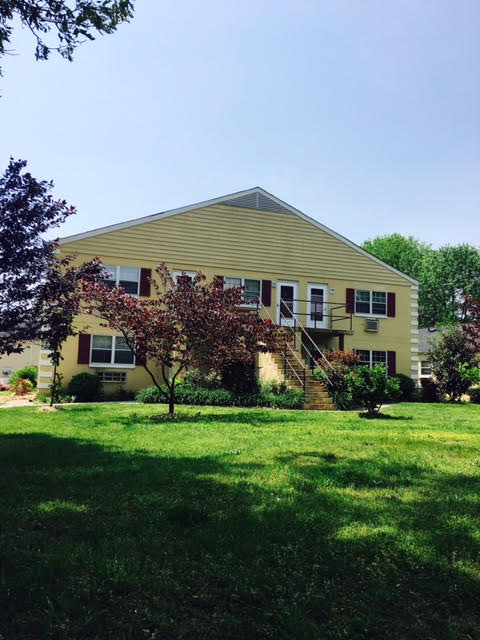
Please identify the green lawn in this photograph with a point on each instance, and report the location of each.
(235, 523)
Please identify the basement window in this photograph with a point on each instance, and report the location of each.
(371, 358)
(112, 376)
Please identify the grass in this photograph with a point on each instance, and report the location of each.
(240, 524)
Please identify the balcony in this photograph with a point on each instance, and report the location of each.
(315, 315)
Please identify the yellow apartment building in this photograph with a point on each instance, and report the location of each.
(327, 291)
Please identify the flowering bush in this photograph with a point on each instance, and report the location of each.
(338, 376)
(20, 386)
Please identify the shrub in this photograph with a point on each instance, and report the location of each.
(86, 387)
(240, 378)
(203, 379)
(430, 391)
(371, 387)
(21, 386)
(407, 387)
(339, 382)
(272, 386)
(449, 356)
(184, 394)
(475, 395)
(28, 372)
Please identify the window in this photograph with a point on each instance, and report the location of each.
(126, 277)
(111, 350)
(371, 358)
(112, 376)
(371, 302)
(425, 369)
(187, 274)
(251, 292)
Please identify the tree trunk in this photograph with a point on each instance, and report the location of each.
(54, 388)
(171, 403)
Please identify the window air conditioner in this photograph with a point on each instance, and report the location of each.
(372, 324)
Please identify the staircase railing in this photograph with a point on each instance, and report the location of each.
(293, 330)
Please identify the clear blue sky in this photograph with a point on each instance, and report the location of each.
(364, 115)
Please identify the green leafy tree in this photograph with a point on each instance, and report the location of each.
(71, 22)
(449, 275)
(450, 357)
(405, 254)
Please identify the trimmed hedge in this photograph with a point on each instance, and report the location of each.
(28, 372)
(184, 394)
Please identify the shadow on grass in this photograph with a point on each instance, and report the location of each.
(254, 417)
(108, 544)
(383, 416)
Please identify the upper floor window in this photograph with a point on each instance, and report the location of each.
(111, 350)
(251, 291)
(126, 277)
(371, 302)
(189, 275)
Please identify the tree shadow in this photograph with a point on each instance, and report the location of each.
(103, 543)
(383, 416)
(254, 417)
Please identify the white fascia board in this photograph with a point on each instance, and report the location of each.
(223, 199)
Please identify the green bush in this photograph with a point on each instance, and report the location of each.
(475, 395)
(371, 387)
(272, 386)
(28, 372)
(407, 387)
(21, 386)
(184, 394)
(86, 387)
(240, 378)
(203, 379)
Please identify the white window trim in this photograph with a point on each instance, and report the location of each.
(111, 364)
(371, 357)
(371, 315)
(424, 375)
(99, 373)
(117, 276)
(180, 272)
(247, 305)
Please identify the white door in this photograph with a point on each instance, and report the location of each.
(317, 308)
(287, 303)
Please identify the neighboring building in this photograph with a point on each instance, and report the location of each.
(330, 292)
(425, 339)
(10, 363)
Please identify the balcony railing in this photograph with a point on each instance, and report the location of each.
(330, 316)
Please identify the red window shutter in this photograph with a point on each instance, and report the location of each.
(392, 363)
(220, 280)
(266, 293)
(145, 275)
(350, 301)
(391, 305)
(84, 348)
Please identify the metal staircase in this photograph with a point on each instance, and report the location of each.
(290, 362)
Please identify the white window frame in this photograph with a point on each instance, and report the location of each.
(425, 375)
(370, 314)
(242, 284)
(112, 364)
(371, 363)
(117, 268)
(176, 273)
(113, 374)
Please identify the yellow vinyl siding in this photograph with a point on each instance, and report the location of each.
(243, 239)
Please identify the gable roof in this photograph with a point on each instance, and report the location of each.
(255, 198)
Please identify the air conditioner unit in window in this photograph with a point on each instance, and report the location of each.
(372, 324)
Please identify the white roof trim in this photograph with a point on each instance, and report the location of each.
(223, 200)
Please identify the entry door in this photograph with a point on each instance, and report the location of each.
(317, 310)
(287, 302)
